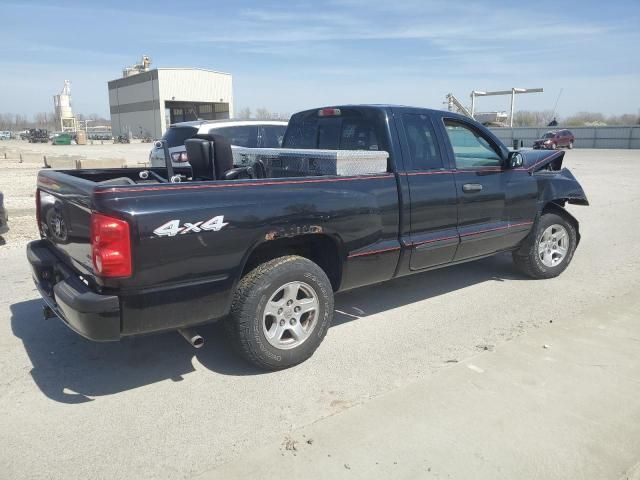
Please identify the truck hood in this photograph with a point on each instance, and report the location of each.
(538, 159)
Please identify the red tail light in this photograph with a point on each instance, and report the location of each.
(110, 246)
(179, 157)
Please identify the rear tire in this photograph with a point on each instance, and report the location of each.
(281, 312)
(570, 145)
(549, 249)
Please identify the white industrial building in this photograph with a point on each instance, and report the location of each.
(145, 102)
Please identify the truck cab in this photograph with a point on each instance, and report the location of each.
(459, 198)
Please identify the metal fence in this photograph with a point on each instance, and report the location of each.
(586, 137)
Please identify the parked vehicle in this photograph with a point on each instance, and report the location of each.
(554, 140)
(62, 139)
(243, 133)
(4, 217)
(122, 139)
(5, 135)
(265, 241)
(38, 135)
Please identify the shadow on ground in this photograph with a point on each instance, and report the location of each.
(69, 369)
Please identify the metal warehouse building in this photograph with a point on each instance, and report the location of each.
(147, 103)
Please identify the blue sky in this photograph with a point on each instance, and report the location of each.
(288, 56)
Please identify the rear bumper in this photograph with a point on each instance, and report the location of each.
(92, 315)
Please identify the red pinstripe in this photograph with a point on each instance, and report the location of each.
(433, 240)
(316, 180)
(373, 252)
(240, 184)
(430, 172)
(504, 227)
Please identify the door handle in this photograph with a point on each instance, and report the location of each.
(471, 187)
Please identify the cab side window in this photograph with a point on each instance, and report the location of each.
(421, 139)
(470, 148)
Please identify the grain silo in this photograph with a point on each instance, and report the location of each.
(65, 120)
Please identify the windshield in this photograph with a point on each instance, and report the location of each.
(176, 136)
(549, 135)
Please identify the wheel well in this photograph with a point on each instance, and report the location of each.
(557, 207)
(320, 249)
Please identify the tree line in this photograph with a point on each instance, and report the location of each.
(522, 118)
(260, 114)
(47, 120)
(529, 118)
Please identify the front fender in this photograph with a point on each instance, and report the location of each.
(559, 187)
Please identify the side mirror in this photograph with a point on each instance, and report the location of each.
(515, 160)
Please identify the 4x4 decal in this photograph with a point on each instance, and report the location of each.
(173, 227)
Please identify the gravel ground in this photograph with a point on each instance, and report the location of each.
(155, 408)
(18, 178)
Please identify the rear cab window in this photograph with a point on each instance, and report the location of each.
(349, 130)
(346, 129)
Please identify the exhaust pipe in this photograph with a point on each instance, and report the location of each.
(195, 340)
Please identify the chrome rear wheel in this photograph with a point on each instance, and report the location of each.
(290, 315)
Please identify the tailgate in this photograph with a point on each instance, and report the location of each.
(64, 216)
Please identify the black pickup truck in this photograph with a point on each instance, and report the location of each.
(359, 195)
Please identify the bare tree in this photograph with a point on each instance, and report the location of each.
(244, 114)
(527, 118)
(583, 118)
(263, 114)
(6, 121)
(20, 122)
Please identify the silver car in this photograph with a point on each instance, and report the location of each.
(243, 133)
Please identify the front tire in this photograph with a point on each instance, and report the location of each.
(281, 312)
(549, 249)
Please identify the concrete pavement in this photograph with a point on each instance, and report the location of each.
(156, 408)
(558, 403)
